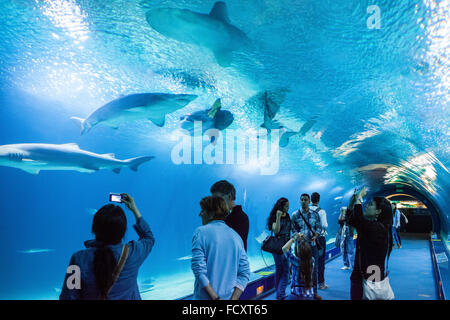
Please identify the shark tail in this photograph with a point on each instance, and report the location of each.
(134, 163)
(80, 122)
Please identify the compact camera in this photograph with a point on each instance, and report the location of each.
(115, 197)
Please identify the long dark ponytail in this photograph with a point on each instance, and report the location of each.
(109, 226)
(304, 253)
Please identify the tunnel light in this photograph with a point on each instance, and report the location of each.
(67, 15)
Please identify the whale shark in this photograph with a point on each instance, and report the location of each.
(151, 106)
(213, 31)
(213, 118)
(34, 157)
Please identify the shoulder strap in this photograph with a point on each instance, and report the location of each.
(306, 222)
(119, 267)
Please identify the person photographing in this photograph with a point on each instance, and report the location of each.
(109, 268)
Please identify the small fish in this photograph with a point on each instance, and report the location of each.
(35, 250)
(184, 258)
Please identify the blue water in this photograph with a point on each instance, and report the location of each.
(379, 99)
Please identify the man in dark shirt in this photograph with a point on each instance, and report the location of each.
(237, 219)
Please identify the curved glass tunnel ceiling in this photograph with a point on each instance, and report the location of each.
(361, 105)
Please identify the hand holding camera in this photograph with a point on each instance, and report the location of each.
(126, 199)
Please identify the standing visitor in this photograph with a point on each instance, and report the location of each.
(374, 242)
(108, 268)
(397, 214)
(237, 219)
(307, 222)
(302, 263)
(219, 261)
(280, 223)
(347, 243)
(315, 198)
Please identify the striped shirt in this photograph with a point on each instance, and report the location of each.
(299, 225)
(298, 288)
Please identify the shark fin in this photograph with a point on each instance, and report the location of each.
(215, 107)
(90, 169)
(134, 163)
(159, 121)
(284, 139)
(117, 170)
(219, 11)
(275, 124)
(82, 123)
(306, 127)
(34, 171)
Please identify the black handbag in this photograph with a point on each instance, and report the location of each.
(273, 244)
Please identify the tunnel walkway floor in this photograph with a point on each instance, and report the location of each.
(411, 274)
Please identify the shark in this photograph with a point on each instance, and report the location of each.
(271, 101)
(213, 31)
(284, 139)
(34, 157)
(213, 118)
(151, 106)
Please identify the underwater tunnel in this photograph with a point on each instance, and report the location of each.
(162, 99)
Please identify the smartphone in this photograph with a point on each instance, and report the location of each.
(115, 197)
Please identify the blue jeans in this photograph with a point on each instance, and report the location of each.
(395, 236)
(321, 263)
(315, 254)
(348, 251)
(281, 275)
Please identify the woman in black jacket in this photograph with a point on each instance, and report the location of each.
(374, 240)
